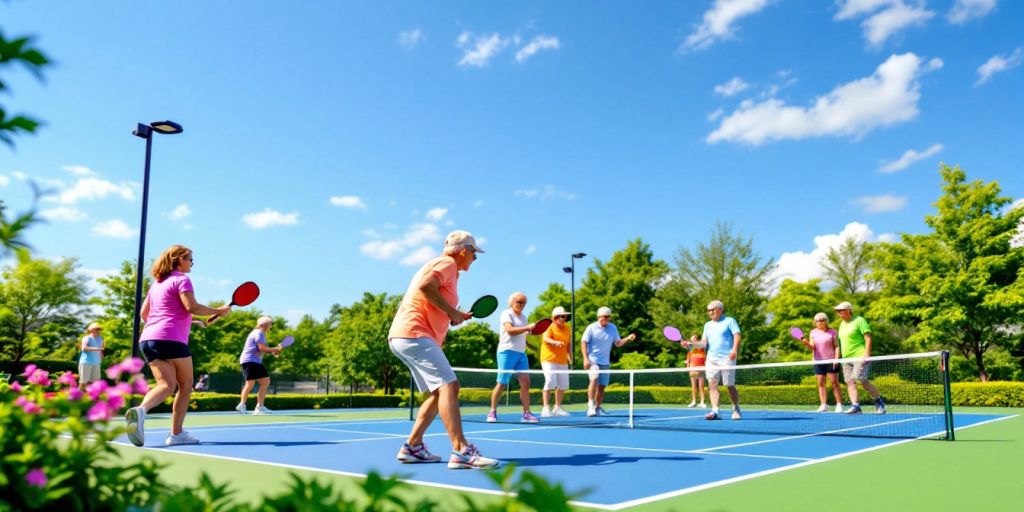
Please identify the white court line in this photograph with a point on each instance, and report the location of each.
(281, 424)
(801, 436)
(633, 448)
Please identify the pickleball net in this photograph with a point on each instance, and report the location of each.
(775, 398)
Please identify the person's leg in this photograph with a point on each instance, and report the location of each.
(822, 394)
(734, 396)
(262, 394)
(499, 389)
(713, 389)
(164, 374)
(591, 391)
(246, 389)
(599, 396)
(448, 407)
(851, 384)
(183, 373)
(693, 389)
(700, 382)
(524, 391)
(545, 396)
(836, 392)
(872, 390)
(428, 411)
(559, 395)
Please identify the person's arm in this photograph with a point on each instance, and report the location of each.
(627, 339)
(144, 311)
(512, 330)
(867, 344)
(551, 341)
(86, 348)
(430, 285)
(835, 343)
(807, 342)
(188, 299)
(583, 354)
(735, 346)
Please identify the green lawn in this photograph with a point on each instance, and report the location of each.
(979, 471)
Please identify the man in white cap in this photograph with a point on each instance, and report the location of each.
(89, 362)
(855, 341)
(416, 337)
(722, 334)
(596, 346)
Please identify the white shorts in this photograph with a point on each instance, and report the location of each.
(720, 371)
(425, 359)
(88, 373)
(554, 380)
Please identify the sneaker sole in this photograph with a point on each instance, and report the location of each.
(414, 460)
(136, 428)
(463, 465)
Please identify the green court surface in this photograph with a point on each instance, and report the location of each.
(981, 470)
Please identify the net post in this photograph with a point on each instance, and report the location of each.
(631, 399)
(950, 435)
(412, 384)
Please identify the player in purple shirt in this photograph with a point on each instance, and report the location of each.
(253, 370)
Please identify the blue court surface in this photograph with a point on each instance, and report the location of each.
(621, 467)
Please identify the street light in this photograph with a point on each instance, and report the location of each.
(571, 270)
(146, 132)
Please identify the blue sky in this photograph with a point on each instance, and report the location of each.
(329, 146)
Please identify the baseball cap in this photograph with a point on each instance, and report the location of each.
(460, 237)
(843, 306)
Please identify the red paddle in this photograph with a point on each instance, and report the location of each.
(245, 294)
(541, 326)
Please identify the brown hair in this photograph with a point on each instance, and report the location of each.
(168, 261)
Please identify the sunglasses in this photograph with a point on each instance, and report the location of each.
(519, 302)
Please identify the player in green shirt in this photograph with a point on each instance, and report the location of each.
(855, 341)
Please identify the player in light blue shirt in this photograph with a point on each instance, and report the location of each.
(722, 335)
(596, 345)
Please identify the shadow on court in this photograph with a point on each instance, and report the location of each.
(590, 459)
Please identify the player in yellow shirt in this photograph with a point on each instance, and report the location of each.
(555, 356)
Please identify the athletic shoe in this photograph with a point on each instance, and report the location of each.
(136, 419)
(241, 408)
(182, 438)
(559, 412)
(713, 415)
(703, 405)
(879, 406)
(823, 408)
(470, 458)
(545, 412)
(600, 411)
(591, 411)
(528, 417)
(692, 405)
(854, 409)
(260, 409)
(416, 454)
(736, 414)
(839, 407)
(492, 416)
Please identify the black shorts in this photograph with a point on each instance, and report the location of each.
(163, 350)
(254, 371)
(822, 369)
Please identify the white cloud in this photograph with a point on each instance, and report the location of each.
(803, 266)
(113, 229)
(92, 188)
(966, 10)
(4, 181)
(716, 115)
(732, 87)
(880, 204)
(537, 44)
(79, 170)
(998, 64)
(64, 213)
(268, 218)
(482, 49)
(348, 202)
(180, 212)
(419, 256)
(545, 192)
(910, 156)
(478, 203)
(530, 249)
(408, 39)
(20, 176)
(416, 235)
(717, 22)
(884, 17)
(436, 214)
(887, 97)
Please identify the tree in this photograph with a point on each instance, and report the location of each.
(726, 268)
(849, 266)
(962, 285)
(626, 283)
(33, 295)
(306, 356)
(795, 306)
(19, 51)
(471, 345)
(117, 302)
(12, 231)
(358, 346)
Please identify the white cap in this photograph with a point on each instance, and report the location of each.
(844, 306)
(559, 311)
(604, 311)
(821, 316)
(460, 237)
(94, 325)
(264, 320)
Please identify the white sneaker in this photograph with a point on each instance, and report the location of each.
(736, 414)
(261, 409)
(416, 454)
(823, 408)
(703, 405)
(692, 405)
(559, 412)
(182, 438)
(591, 411)
(241, 408)
(839, 408)
(470, 458)
(545, 412)
(136, 419)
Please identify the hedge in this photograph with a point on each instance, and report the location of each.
(227, 402)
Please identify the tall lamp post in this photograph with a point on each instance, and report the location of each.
(571, 270)
(146, 132)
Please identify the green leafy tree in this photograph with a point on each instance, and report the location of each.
(471, 345)
(306, 356)
(12, 231)
(216, 348)
(116, 299)
(358, 346)
(18, 51)
(725, 268)
(626, 283)
(849, 266)
(34, 294)
(962, 285)
(795, 306)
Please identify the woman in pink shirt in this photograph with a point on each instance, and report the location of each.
(167, 312)
(825, 344)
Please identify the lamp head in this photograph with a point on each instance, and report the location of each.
(579, 255)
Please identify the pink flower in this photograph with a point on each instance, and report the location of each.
(16, 387)
(75, 394)
(36, 477)
(115, 402)
(29, 370)
(132, 365)
(139, 385)
(20, 401)
(96, 389)
(100, 411)
(67, 379)
(40, 378)
(31, 407)
(121, 389)
(114, 372)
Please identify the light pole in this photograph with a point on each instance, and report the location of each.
(571, 270)
(146, 132)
